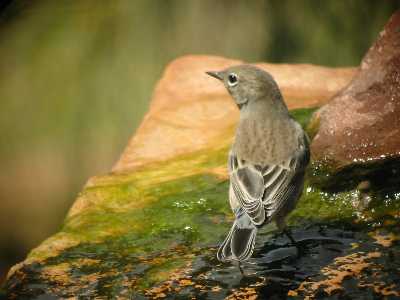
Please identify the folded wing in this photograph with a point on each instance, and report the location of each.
(262, 191)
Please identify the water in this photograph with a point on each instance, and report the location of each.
(328, 262)
(278, 268)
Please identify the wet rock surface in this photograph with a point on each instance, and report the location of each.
(328, 262)
(359, 129)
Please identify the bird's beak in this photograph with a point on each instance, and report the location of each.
(217, 75)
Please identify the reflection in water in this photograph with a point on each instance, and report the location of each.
(276, 267)
(328, 260)
(279, 268)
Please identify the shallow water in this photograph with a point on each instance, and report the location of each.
(277, 268)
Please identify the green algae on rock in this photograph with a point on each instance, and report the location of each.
(303, 115)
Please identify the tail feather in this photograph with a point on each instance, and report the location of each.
(239, 243)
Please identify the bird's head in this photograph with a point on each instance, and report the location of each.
(248, 84)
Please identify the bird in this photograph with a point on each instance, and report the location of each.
(267, 160)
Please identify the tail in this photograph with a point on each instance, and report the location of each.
(239, 244)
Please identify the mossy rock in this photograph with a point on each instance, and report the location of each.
(153, 233)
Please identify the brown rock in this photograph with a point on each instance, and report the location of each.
(361, 125)
(190, 111)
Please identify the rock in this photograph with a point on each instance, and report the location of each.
(359, 129)
(187, 103)
(152, 233)
(150, 229)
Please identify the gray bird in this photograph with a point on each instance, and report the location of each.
(267, 160)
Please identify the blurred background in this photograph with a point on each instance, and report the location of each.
(76, 78)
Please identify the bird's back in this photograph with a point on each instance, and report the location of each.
(257, 141)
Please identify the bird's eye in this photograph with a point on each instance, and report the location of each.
(232, 79)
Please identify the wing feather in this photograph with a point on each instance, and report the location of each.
(287, 189)
(262, 191)
(247, 192)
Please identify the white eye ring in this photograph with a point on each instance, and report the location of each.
(232, 79)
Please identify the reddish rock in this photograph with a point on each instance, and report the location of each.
(360, 127)
(191, 111)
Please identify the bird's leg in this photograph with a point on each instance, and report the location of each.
(281, 224)
(289, 235)
(240, 268)
(293, 241)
